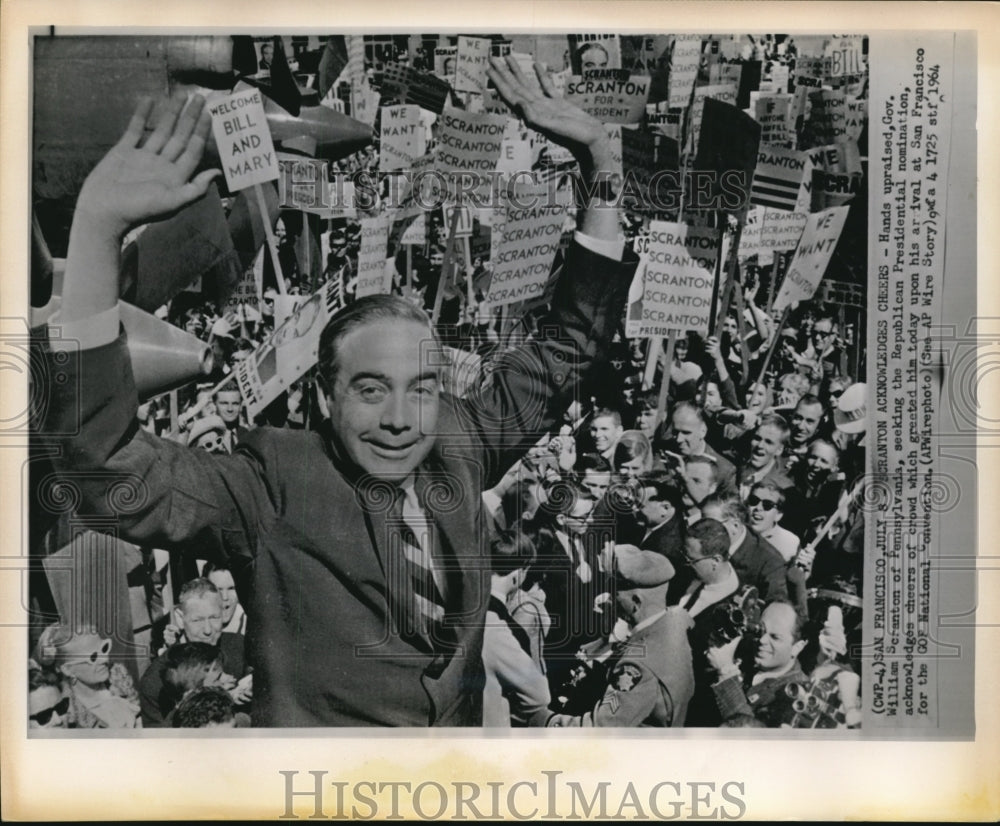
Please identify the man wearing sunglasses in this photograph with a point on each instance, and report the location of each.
(766, 507)
(826, 345)
(755, 559)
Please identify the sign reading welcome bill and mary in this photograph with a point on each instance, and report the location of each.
(244, 139)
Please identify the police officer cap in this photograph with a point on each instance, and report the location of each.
(635, 568)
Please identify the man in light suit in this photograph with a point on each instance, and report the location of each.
(360, 550)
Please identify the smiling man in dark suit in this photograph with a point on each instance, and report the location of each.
(362, 549)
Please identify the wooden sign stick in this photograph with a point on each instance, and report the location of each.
(774, 344)
(661, 401)
(652, 355)
(446, 266)
(272, 244)
(470, 293)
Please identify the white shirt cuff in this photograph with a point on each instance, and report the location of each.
(87, 333)
(601, 246)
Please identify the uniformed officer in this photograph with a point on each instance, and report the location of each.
(650, 678)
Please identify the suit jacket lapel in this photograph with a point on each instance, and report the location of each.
(459, 544)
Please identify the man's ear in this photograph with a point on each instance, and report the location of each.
(178, 617)
(797, 647)
(323, 400)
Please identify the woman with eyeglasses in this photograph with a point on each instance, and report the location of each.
(48, 702)
(101, 695)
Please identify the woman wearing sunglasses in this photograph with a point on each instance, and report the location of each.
(101, 695)
(48, 702)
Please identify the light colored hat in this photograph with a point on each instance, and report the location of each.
(636, 568)
(206, 424)
(851, 413)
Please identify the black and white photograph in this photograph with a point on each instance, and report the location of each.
(432, 389)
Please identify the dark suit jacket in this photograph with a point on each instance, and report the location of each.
(758, 563)
(776, 475)
(668, 540)
(316, 571)
(767, 701)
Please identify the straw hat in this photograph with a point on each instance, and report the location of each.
(851, 414)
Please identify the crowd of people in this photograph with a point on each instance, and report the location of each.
(693, 563)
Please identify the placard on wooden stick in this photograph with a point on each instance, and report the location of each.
(247, 154)
(244, 140)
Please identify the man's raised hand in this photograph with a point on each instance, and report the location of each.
(136, 183)
(545, 111)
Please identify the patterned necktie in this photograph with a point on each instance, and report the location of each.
(427, 582)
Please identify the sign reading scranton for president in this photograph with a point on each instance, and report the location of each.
(677, 282)
(244, 140)
(610, 95)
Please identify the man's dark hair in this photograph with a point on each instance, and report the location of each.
(770, 487)
(186, 664)
(510, 550)
(228, 387)
(667, 486)
(366, 310)
(562, 496)
(712, 536)
(213, 566)
(648, 401)
(209, 704)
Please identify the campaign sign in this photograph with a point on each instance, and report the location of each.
(684, 61)
(244, 140)
(473, 61)
(610, 95)
(812, 255)
(525, 250)
(401, 137)
(469, 142)
(372, 255)
(678, 279)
